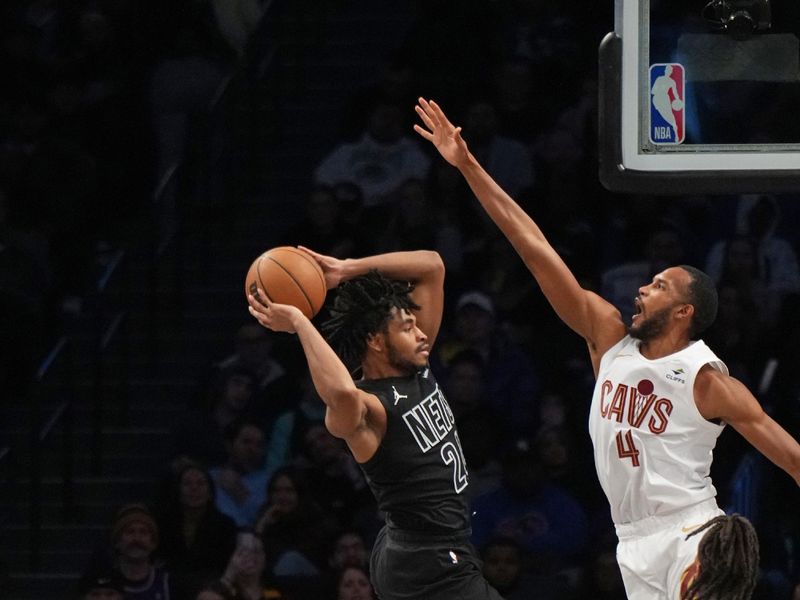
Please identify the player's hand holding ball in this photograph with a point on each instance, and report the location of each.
(287, 275)
(274, 316)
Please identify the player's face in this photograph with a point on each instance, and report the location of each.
(656, 303)
(406, 345)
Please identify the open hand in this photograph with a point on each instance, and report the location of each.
(441, 133)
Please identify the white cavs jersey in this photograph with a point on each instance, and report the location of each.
(652, 447)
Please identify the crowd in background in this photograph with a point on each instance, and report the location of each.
(257, 499)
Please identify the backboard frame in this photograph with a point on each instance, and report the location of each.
(745, 168)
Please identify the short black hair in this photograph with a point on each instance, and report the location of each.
(363, 306)
(702, 294)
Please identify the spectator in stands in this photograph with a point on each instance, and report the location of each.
(396, 84)
(336, 483)
(246, 575)
(415, 221)
(349, 549)
(507, 160)
(200, 434)
(563, 465)
(293, 528)
(379, 162)
(507, 568)
(196, 538)
(775, 269)
(328, 223)
(511, 376)
(255, 349)
(479, 430)
(353, 584)
(545, 519)
(241, 481)
(603, 579)
(214, 590)
(735, 334)
(135, 539)
(101, 585)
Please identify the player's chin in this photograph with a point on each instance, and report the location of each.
(422, 360)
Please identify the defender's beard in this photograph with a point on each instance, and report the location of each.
(651, 327)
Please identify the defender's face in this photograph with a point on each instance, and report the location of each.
(655, 303)
(406, 345)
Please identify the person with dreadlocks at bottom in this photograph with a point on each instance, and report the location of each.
(660, 401)
(394, 418)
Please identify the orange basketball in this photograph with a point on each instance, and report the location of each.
(288, 276)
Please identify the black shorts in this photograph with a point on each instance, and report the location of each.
(406, 566)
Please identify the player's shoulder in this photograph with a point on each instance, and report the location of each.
(714, 381)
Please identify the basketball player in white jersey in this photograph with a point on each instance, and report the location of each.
(661, 400)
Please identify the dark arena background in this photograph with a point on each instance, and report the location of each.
(150, 150)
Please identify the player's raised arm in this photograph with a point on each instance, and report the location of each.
(586, 313)
(720, 396)
(423, 268)
(347, 406)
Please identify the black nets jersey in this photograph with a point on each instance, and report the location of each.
(418, 474)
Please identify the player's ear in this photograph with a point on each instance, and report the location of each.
(686, 311)
(375, 341)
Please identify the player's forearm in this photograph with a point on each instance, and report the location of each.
(520, 229)
(328, 373)
(774, 442)
(415, 266)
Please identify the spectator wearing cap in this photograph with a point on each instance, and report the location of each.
(511, 381)
(101, 585)
(134, 539)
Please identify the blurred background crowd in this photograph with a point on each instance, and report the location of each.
(104, 101)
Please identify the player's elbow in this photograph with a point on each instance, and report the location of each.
(432, 262)
(344, 413)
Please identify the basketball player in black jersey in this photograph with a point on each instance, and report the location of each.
(395, 418)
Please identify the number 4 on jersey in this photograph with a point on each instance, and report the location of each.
(626, 448)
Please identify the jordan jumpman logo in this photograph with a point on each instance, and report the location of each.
(397, 395)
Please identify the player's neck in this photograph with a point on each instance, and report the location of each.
(663, 345)
(377, 369)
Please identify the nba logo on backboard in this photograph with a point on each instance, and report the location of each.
(666, 104)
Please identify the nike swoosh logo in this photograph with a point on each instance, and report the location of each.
(691, 528)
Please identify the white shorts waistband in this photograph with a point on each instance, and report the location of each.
(656, 523)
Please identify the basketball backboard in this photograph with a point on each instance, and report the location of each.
(701, 96)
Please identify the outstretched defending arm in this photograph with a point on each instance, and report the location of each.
(586, 313)
(721, 396)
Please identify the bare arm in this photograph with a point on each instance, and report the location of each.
(351, 414)
(347, 407)
(423, 268)
(720, 396)
(584, 312)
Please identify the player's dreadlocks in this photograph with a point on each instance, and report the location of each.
(362, 307)
(728, 557)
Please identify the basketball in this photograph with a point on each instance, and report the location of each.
(288, 276)
(677, 104)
